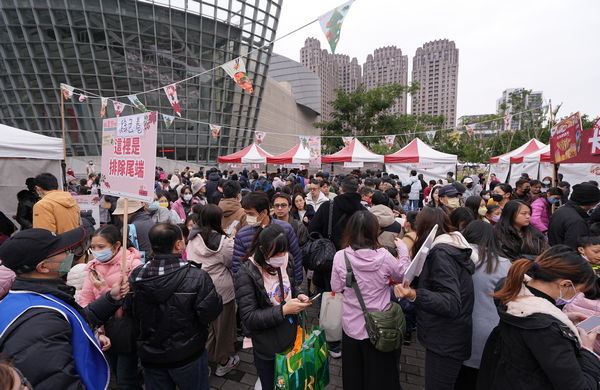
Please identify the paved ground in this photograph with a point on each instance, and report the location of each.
(244, 376)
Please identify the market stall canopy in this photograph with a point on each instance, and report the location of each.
(17, 143)
(354, 152)
(540, 155)
(251, 154)
(530, 146)
(299, 154)
(418, 151)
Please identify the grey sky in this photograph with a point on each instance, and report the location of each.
(552, 45)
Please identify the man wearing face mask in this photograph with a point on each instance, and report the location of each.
(449, 198)
(522, 190)
(257, 206)
(473, 189)
(43, 330)
(234, 216)
(569, 222)
(173, 301)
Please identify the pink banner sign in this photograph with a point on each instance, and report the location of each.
(314, 144)
(129, 156)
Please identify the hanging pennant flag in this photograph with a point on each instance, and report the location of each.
(430, 135)
(103, 103)
(389, 140)
(236, 69)
(171, 91)
(82, 98)
(347, 140)
(304, 141)
(469, 130)
(168, 120)
(137, 103)
(331, 23)
(214, 130)
(118, 106)
(67, 91)
(507, 122)
(259, 136)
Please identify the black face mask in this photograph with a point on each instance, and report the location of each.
(526, 190)
(469, 185)
(497, 197)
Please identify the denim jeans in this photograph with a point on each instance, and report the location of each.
(414, 204)
(192, 376)
(125, 370)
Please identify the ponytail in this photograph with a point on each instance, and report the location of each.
(558, 262)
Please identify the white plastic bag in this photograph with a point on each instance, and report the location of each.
(330, 318)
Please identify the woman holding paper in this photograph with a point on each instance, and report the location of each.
(443, 299)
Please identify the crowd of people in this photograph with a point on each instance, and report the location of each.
(219, 257)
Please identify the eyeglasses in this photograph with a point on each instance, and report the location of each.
(280, 205)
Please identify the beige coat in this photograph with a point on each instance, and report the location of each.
(57, 212)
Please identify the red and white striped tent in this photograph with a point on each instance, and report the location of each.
(420, 157)
(533, 145)
(540, 155)
(418, 151)
(251, 154)
(355, 151)
(299, 154)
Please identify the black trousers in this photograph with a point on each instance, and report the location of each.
(266, 372)
(365, 368)
(467, 378)
(440, 371)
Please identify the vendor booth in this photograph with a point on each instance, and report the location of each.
(500, 165)
(419, 156)
(251, 154)
(25, 154)
(353, 155)
(299, 154)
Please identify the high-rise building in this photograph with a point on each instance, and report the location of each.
(515, 100)
(336, 71)
(385, 66)
(119, 48)
(435, 68)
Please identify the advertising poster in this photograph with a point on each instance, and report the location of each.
(90, 203)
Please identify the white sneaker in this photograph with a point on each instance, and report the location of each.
(230, 365)
(335, 354)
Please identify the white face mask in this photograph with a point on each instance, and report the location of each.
(278, 262)
(252, 220)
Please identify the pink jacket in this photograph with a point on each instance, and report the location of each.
(177, 206)
(372, 270)
(102, 276)
(540, 214)
(587, 307)
(7, 277)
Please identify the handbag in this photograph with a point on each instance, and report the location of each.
(306, 365)
(330, 317)
(319, 251)
(385, 328)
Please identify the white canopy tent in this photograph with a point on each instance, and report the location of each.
(25, 154)
(419, 156)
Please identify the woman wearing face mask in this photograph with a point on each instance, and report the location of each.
(103, 272)
(184, 204)
(268, 302)
(536, 345)
(546, 183)
(501, 194)
(541, 208)
(493, 214)
(160, 211)
(477, 205)
(516, 235)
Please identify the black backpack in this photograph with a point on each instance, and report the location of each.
(319, 251)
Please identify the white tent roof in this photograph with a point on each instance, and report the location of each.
(17, 143)
(530, 146)
(354, 152)
(418, 151)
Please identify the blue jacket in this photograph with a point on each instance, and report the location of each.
(243, 242)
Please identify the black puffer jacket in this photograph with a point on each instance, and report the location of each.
(567, 225)
(212, 193)
(270, 330)
(536, 352)
(39, 341)
(515, 247)
(444, 301)
(172, 312)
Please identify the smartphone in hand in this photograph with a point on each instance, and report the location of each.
(313, 298)
(589, 324)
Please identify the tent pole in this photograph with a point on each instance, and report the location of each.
(64, 137)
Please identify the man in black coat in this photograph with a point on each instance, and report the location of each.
(569, 222)
(172, 302)
(44, 332)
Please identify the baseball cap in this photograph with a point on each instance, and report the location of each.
(448, 190)
(467, 180)
(132, 206)
(26, 249)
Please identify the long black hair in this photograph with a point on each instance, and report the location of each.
(271, 240)
(482, 234)
(532, 241)
(426, 220)
(473, 203)
(209, 220)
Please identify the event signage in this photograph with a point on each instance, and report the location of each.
(89, 203)
(569, 143)
(129, 156)
(314, 144)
